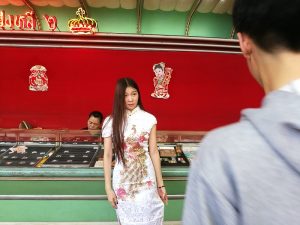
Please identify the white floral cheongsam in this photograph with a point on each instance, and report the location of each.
(135, 184)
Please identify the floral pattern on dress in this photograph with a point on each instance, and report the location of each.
(135, 170)
(149, 183)
(121, 193)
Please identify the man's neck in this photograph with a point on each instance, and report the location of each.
(279, 69)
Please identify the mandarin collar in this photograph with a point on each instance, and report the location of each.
(130, 113)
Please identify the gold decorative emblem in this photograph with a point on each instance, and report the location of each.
(82, 25)
(38, 80)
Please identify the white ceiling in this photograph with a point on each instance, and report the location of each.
(205, 6)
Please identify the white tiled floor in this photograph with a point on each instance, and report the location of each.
(76, 223)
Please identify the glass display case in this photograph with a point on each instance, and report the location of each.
(49, 148)
(83, 148)
(66, 165)
(177, 148)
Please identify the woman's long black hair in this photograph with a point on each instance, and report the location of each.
(119, 115)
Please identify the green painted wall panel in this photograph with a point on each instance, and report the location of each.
(70, 211)
(173, 211)
(211, 25)
(163, 23)
(115, 20)
(56, 211)
(59, 187)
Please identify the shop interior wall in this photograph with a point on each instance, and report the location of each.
(207, 90)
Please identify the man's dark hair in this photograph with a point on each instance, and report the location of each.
(272, 24)
(97, 114)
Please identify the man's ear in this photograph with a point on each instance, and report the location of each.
(245, 44)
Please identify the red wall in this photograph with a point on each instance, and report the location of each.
(207, 89)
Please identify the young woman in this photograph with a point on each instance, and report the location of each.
(138, 193)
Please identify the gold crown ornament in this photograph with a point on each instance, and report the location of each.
(83, 24)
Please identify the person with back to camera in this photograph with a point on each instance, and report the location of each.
(94, 121)
(249, 172)
(138, 193)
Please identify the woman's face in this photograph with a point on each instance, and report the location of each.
(131, 98)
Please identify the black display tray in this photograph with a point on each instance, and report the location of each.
(29, 158)
(172, 156)
(74, 156)
(3, 149)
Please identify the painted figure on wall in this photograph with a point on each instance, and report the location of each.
(161, 80)
(38, 80)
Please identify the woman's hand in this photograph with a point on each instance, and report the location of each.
(112, 198)
(163, 194)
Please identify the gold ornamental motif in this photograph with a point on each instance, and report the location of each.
(83, 24)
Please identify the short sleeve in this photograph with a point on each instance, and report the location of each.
(153, 120)
(107, 127)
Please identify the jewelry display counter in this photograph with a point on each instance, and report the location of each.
(74, 191)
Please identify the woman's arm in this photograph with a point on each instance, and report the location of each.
(154, 154)
(107, 159)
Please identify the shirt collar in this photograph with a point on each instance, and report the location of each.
(293, 87)
(130, 113)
